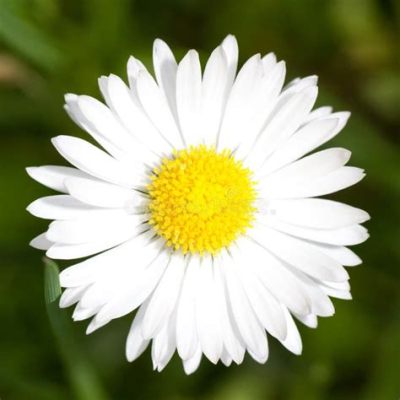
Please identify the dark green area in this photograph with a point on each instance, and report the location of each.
(49, 47)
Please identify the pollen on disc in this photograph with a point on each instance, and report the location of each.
(201, 200)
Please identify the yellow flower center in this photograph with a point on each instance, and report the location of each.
(201, 200)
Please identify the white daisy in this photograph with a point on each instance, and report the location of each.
(202, 207)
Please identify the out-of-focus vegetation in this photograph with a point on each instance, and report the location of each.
(51, 47)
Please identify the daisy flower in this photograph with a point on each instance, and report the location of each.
(199, 207)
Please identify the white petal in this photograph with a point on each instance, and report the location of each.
(191, 364)
(306, 139)
(265, 306)
(41, 242)
(299, 84)
(219, 75)
(53, 176)
(269, 61)
(272, 274)
(288, 285)
(108, 263)
(343, 117)
(226, 358)
(103, 194)
(250, 329)
(261, 359)
(59, 207)
(265, 96)
(335, 181)
(348, 236)
(80, 313)
(115, 274)
(285, 120)
(233, 344)
(321, 304)
(293, 340)
(338, 294)
(135, 344)
(71, 296)
(339, 290)
(208, 320)
(165, 68)
(63, 251)
(132, 116)
(186, 333)
(95, 324)
(317, 213)
(73, 109)
(326, 113)
(163, 300)
(103, 86)
(301, 255)
(109, 127)
(296, 176)
(68, 252)
(157, 109)
(164, 345)
(341, 254)
(91, 230)
(188, 97)
(308, 168)
(134, 68)
(121, 278)
(94, 161)
(231, 50)
(309, 320)
(133, 292)
(215, 87)
(320, 112)
(242, 98)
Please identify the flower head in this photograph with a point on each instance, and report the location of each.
(201, 200)
(200, 209)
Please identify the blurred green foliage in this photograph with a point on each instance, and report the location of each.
(51, 47)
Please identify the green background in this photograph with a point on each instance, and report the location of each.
(49, 47)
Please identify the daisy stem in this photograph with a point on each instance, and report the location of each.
(82, 376)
